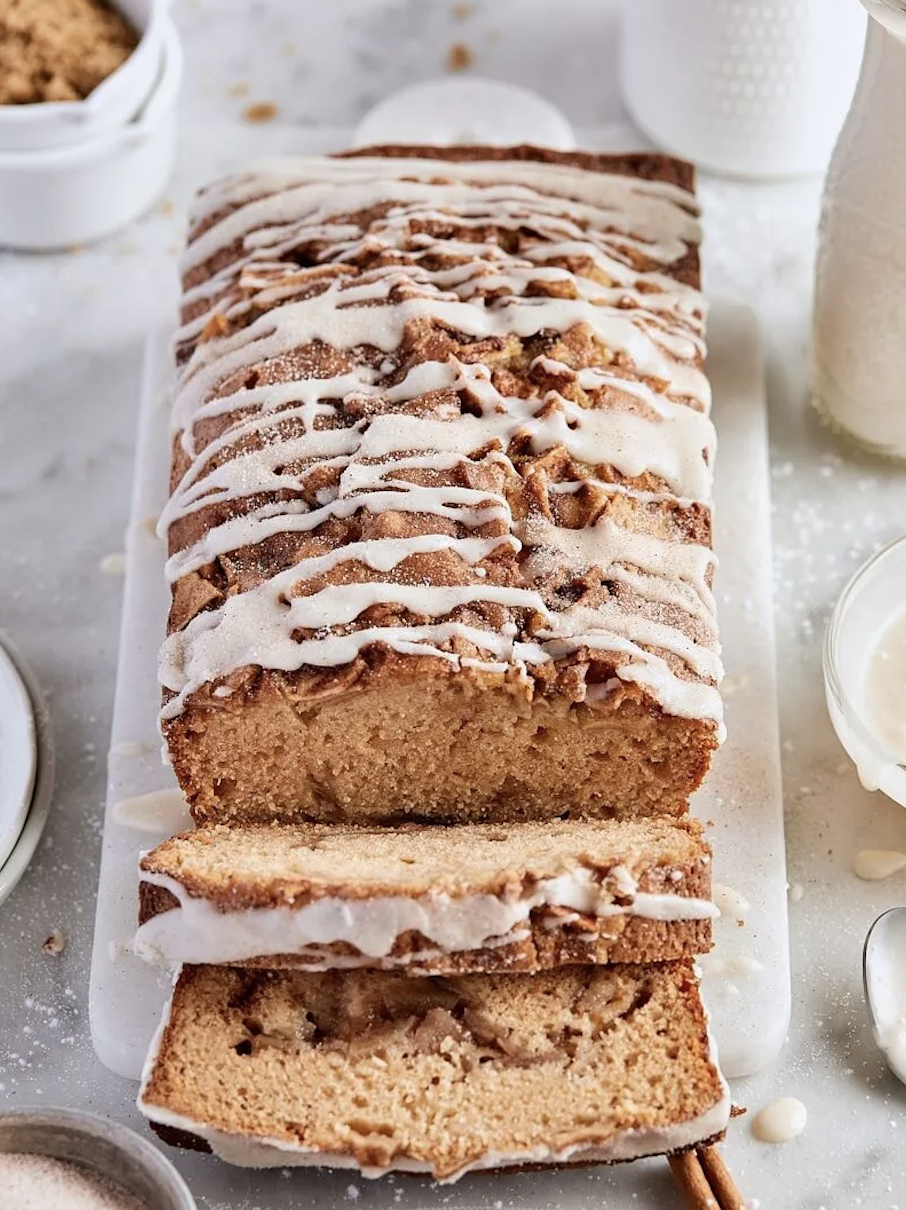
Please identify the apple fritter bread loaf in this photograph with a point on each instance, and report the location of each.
(439, 531)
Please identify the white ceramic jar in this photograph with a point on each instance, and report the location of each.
(858, 373)
(755, 88)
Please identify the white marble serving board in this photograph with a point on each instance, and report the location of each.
(747, 975)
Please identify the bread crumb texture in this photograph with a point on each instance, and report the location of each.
(59, 50)
(382, 1067)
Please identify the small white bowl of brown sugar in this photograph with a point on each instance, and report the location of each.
(65, 1158)
(105, 173)
(73, 69)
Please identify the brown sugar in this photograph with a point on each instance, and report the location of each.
(59, 50)
(260, 111)
(459, 57)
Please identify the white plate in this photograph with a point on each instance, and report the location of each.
(18, 754)
(466, 110)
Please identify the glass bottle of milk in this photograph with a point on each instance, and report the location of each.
(858, 372)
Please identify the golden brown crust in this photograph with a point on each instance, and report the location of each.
(187, 1141)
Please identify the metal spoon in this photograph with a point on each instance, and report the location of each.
(884, 973)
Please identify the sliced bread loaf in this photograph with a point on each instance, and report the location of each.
(429, 899)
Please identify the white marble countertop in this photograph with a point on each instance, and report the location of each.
(70, 351)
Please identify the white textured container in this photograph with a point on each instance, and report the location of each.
(73, 195)
(859, 333)
(755, 88)
(114, 102)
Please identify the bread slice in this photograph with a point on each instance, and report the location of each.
(374, 1070)
(433, 900)
(440, 529)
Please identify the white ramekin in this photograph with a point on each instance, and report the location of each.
(106, 1147)
(72, 195)
(866, 606)
(750, 88)
(37, 719)
(114, 102)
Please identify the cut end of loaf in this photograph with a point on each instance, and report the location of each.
(385, 1072)
(440, 526)
(442, 750)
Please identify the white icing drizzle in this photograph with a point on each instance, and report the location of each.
(278, 434)
(198, 931)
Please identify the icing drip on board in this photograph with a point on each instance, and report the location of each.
(252, 448)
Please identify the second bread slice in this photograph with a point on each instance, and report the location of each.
(429, 899)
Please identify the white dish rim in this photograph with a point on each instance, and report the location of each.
(24, 848)
(19, 760)
(857, 738)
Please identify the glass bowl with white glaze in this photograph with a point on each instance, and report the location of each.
(866, 697)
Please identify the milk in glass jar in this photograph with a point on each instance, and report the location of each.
(858, 372)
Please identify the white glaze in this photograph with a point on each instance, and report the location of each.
(281, 204)
(729, 901)
(885, 689)
(717, 968)
(875, 864)
(161, 811)
(199, 932)
(130, 747)
(781, 1121)
(114, 564)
